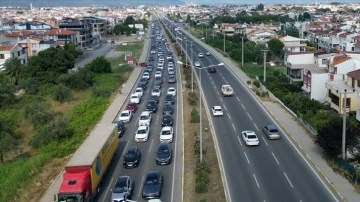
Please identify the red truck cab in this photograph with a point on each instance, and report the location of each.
(76, 186)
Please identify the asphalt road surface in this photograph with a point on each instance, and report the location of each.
(171, 173)
(274, 170)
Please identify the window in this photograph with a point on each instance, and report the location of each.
(358, 81)
(2, 56)
(324, 61)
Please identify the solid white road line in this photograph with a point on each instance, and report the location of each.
(242, 106)
(225, 107)
(275, 158)
(246, 158)
(256, 126)
(257, 183)
(108, 189)
(142, 182)
(238, 98)
(151, 143)
(229, 116)
(289, 181)
(249, 115)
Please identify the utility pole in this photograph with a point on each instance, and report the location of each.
(242, 51)
(224, 41)
(201, 135)
(265, 50)
(344, 127)
(192, 69)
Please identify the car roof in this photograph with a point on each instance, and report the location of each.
(121, 181)
(132, 149)
(126, 111)
(271, 127)
(166, 128)
(249, 132)
(217, 107)
(142, 127)
(145, 113)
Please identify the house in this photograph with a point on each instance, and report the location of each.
(61, 35)
(81, 26)
(11, 51)
(345, 91)
(296, 62)
(293, 44)
(33, 46)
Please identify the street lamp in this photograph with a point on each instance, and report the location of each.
(200, 105)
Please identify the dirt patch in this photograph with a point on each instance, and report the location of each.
(42, 181)
(215, 186)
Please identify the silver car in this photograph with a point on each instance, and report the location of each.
(272, 132)
(123, 189)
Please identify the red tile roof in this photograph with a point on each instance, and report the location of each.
(59, 32)
(340, 59)
(19, 34)
(6, 47)
(354, 74)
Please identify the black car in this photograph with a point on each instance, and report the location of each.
(170, 99)
(143, 81)
(143, 86)
(168, 109)
(121, 128)
(172, 79)
(152, 106)
(151, 59)
(132, 157)
(212, 70)
(154, 98)
(153, 184)
(164, 154)
(167, 120)
(149, 68)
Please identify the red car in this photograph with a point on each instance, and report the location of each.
(132, 106)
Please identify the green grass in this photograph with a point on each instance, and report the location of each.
(19, 173)
(253, 70)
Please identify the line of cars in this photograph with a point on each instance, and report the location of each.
(153, 181)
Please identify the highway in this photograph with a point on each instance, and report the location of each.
(272, 171)
(172, 173)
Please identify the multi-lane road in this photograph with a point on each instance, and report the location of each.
(273, 171)
(172, 173)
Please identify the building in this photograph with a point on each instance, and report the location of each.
(11, 51)
(61, 35)
(33, 46)
(293, 44)
(81, 26)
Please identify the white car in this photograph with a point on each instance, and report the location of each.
(171, 91)
(125, 116)
(146, 75)
(135, 98)
(156, 92)
(167, 134)
(153, 51)
(250, 138)
(142, 134)
(217, 111)
(158, 74)
(160, 66)
(145, 118)
(139, 91)
(200, 55)
(197, 64)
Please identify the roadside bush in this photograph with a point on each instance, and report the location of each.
(256, 83)
(30, 85)
(99, 65)
(52, 131)
(202, 177)
(192, 99)
(195, 118)
(62, 93)
(38, 113)
(79, 80)
(7, 96)
(100, 92)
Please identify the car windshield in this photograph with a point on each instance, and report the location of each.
(167, 107)
(125, 114)
(166, 132)
(144, 117)
(167, 118)
(163, 149)
(150, 104)
(251, 136)
(273, 130)
(130, 155)
(120, 189)
(218, 110)
(152, 180)
(141, 131)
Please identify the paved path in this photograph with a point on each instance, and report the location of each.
(111, 113)
(298, 135)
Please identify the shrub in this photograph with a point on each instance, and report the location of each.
(256, 83)
(192, 98)
(100, 92)
(99, 65)
(62, 93)
(53, 131)
(195, 118)
(38, 113)
(248, 82)
(79, 80)
(202, 177)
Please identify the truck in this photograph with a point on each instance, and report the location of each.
(227, 90)
(85, 169)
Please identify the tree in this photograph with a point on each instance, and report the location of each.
(276, 47)
(306, 16)
(8, 138)
(62, 93)
(7, 95)
(13, 68)
(129, 20)
(99, 65)
(292, 31)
